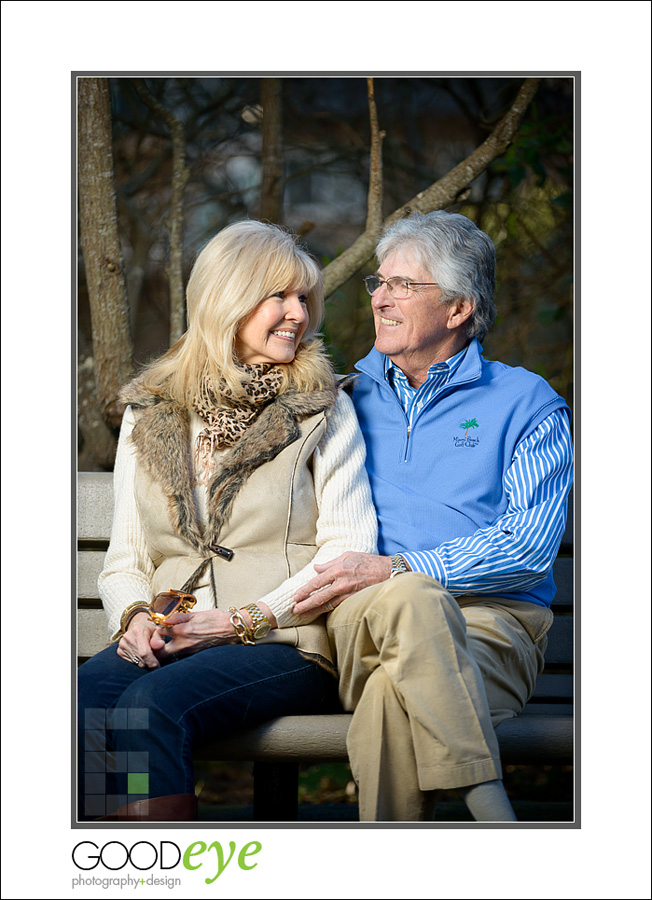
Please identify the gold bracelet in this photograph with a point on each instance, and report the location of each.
(241, 627)
(127, 615)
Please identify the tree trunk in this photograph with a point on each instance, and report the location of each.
(271, 193)
(174, 222)
(98, 222)
(375, 193)
(99, 441)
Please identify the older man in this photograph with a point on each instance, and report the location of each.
(470, 464)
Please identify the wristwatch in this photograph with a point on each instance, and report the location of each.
(398, 566)
(261, 625)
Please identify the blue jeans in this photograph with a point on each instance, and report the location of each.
(138, 727)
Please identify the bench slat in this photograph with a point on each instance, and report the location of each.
(94, 506)
(554, 685)
(563, 573)
(527, 738)
(560, 641)
(548, 709)
(532, 740)
(93, 632)
(89, 566)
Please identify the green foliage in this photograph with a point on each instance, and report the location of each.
(527, 209)
(327, 783)
(348, 326)
(537, 139)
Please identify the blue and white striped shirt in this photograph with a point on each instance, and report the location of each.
(412, 399)
(501, 558)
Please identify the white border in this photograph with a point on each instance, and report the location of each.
(610, 46)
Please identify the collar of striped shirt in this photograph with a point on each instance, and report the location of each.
(439, 374)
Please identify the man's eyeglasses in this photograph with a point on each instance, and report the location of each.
(399, 288)
(168, 602)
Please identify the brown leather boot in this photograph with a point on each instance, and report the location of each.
(175, 808)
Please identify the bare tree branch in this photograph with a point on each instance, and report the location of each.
(440, 194)
(98, 223)
(174, 223)
(271, 192)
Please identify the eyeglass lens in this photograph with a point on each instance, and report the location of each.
(395, 285)
(164, 605)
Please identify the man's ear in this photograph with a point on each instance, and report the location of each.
(458, 312)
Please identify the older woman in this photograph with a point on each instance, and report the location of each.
(240, 465)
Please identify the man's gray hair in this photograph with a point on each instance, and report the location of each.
(458, 256)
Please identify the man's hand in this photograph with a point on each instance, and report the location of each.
(338, 579)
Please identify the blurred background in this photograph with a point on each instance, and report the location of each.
(296, 151)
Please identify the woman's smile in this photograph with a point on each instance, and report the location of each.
(273, 331)
(289, 335)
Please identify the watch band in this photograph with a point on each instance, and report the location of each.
(399, 566)
(260, 622)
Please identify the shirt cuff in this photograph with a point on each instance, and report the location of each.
(428, 562)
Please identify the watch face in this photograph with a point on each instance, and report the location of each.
(261, 630)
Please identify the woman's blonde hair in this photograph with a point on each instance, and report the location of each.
(242, 265)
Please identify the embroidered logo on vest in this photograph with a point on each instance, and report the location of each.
(466, 440)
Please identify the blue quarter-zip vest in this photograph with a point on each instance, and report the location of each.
(446, 478)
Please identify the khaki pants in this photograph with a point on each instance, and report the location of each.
(428, 678)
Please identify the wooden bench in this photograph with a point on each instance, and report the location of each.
(541, 735)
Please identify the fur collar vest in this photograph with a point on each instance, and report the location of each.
(161, 437)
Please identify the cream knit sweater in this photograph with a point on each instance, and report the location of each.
(347, 519)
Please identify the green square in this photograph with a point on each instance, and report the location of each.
(138, 783)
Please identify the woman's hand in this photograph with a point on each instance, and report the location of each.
(136, 643)
(192, 632)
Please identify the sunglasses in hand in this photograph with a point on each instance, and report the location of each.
(169, 602)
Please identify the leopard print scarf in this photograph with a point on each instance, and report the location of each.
(226, 423)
